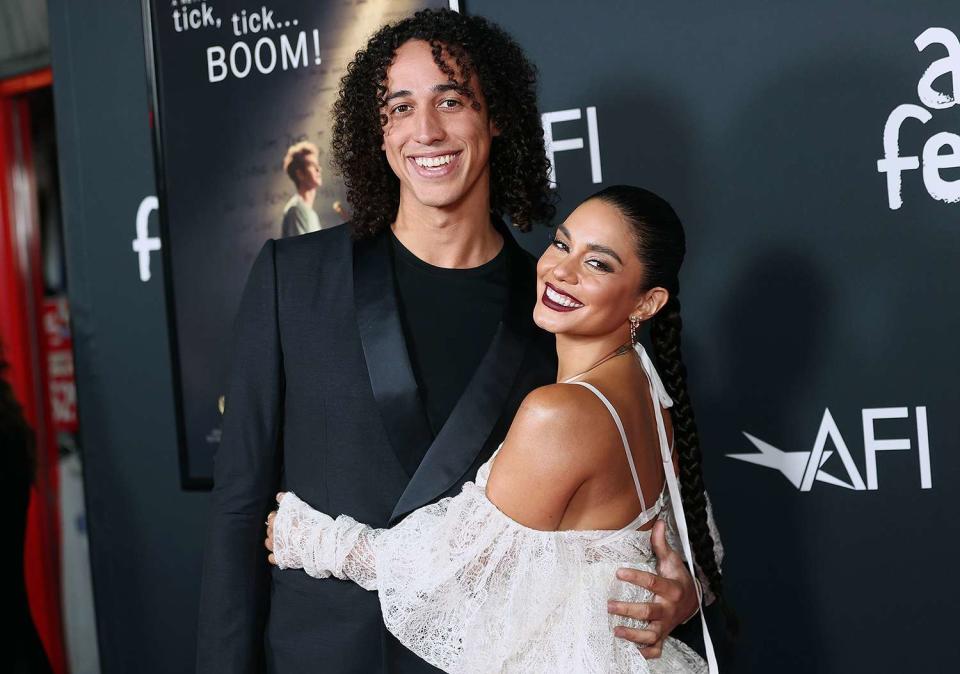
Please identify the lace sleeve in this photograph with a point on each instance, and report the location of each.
(460, 584)
(308, 539)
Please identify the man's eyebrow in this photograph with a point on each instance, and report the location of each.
(437, 89)
(596, 247)
(397, 94)
(449, 86)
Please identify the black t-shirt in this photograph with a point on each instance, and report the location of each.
(449, 317)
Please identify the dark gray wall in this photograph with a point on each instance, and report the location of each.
(145, 533)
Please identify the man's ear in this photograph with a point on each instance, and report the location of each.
(651, 302)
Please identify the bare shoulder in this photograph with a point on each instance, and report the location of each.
(565, 413)
(551, 449)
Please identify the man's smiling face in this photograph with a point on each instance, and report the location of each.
(436, 140)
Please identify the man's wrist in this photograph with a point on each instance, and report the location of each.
(699, 601)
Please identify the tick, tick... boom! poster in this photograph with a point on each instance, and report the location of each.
(242, 96)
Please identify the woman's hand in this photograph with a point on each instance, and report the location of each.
(268, 543)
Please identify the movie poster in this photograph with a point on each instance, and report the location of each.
(242, 98)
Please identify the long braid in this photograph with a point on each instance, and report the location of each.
(665, 329)
(661, 247)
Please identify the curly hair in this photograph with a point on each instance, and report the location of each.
(661, 246)
(476, 48)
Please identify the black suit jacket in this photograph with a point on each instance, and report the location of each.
(322, 401)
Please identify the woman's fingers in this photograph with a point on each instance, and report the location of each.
(268, 542)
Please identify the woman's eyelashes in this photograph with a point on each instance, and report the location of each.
(600, 265)
(593, 263)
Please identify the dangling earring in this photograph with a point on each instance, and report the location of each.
(634, 326)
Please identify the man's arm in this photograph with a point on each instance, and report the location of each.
(674, 602)
(235, 584)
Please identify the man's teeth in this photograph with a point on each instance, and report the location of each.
(433, 162)
(561, 299)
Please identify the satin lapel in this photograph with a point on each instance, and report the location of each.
(465, 433)
(385, 351)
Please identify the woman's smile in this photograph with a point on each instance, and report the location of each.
(558, 300)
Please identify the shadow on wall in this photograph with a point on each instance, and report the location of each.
(790, 214)
(774, 324)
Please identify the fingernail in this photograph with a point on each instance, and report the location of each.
(621, 574)
(611, 606)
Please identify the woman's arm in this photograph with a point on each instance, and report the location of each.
(300, 537)
(460, 564)
(543, 461)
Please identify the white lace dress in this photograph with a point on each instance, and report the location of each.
(470, 590)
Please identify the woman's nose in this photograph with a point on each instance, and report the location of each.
(563, 271)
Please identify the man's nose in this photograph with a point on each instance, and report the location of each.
(429, 127)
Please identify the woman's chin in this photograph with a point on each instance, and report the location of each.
(546, 320)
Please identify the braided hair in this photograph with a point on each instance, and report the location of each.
(660, 246)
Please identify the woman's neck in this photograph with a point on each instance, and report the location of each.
(577, 355)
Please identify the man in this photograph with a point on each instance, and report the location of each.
(302, 165)
(384, 382)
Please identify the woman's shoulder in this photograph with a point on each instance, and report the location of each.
(558, 403)
(558, 441)
(565, 420)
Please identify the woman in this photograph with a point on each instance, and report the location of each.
(512, 574)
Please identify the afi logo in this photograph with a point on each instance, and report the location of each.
(935, 159)
(805, 468)
(554, 145)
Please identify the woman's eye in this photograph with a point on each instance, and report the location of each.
(449, 103)
(402, 108)
(557, 243)
(600, 266)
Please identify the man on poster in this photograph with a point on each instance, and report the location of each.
(378, 386)
(302, 165)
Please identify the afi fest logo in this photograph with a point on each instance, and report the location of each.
(934, 161)
(802, 469)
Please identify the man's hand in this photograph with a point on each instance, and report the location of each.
(674, 601)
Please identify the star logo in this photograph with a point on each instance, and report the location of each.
(802, 469)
